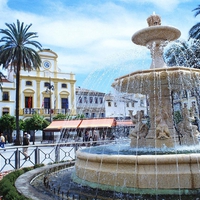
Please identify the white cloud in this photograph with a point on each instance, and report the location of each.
(84, 41)
(168, 5)
(89, 37)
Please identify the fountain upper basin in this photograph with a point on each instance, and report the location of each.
(143, 81)
(153, 33)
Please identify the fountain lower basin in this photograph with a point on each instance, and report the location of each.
(153, 174)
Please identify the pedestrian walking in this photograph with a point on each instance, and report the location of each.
(95, 138)
(86, 136)
(104, 135)
(25, 143)
(2, 141)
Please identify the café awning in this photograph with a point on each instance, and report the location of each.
(125, 123)
(57, 126)
(98, 123)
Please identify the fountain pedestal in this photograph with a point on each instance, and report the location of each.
(162, 125)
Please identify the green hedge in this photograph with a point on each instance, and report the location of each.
(7, 185)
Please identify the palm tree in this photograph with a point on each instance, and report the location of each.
(16, 53)
(174, 55)
(194, 32)
(182, 53)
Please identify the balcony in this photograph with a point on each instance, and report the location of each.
(43, 111)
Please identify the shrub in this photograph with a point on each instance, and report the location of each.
(38, 165)
(7, 185)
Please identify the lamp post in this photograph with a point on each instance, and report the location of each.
(49, 89)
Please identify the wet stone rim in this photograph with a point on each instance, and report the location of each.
(23, 182)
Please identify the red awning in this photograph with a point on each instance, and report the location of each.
(125, 123)
(98, 123)
(56, 126)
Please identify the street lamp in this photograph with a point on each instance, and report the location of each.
(49, 89)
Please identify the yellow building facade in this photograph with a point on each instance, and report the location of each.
(46, 91)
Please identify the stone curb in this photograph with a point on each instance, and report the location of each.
(23, 182)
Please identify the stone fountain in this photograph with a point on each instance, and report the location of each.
(176, 173)
(158, 84)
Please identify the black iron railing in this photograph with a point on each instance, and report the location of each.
(12, 157)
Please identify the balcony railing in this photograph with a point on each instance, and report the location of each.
(45, 111)
(30, 111)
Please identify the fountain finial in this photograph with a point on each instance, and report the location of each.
(154, 20)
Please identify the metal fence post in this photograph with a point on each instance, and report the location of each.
(57, 153)
(75, 149)
(17, 159)
(37, 156)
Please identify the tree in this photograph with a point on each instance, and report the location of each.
(182, 53)
(16, 53)
(61, 116)
(21, 124)
(194, 32)
(7, 125)
(80, 116)
(186, 54)
(35, 123)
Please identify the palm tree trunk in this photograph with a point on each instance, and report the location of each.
(18, 139)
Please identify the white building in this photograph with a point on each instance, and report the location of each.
(90, 103)
(118, 106)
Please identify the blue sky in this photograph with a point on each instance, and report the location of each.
(93, 37)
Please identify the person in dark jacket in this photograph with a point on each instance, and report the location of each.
(25, 143)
